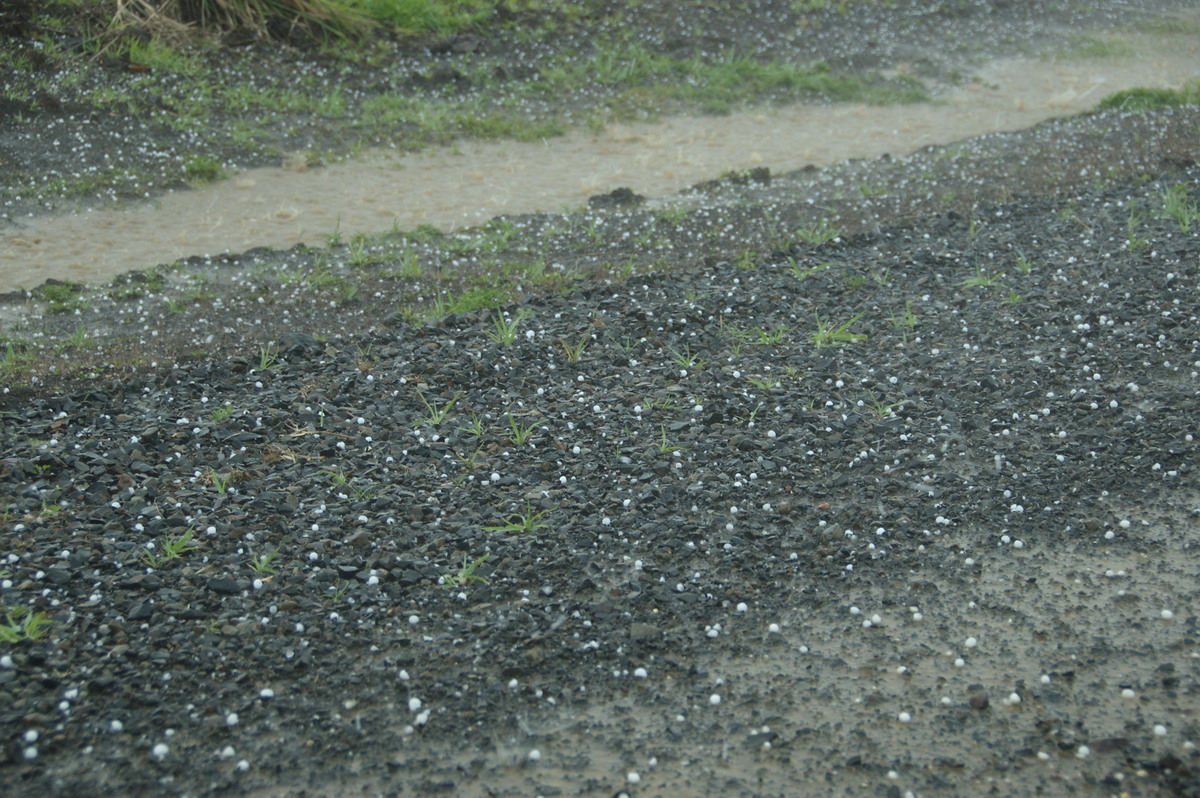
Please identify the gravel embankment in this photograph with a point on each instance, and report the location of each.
(945, 550)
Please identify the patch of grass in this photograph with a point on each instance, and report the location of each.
(686, 359)
(1142, 99)
(830, 334)
(804, 272)
(436, 415)
(23, 624)
(261, 564)
(466, 576)
(981, 279)
(60, 297)
(574, 352)
(818, 233)
(1178, 205)
(504, 331)
(527, 521)
(521, 435)
(172, 549)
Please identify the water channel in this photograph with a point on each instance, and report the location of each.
(471, 182)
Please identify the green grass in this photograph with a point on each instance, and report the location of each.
(1149, 99)
(830, 334)
(465, 576)
(504, 330)
(435, 415)
(172, 549)
(527, 521)
(23, 624)
(1178, 205)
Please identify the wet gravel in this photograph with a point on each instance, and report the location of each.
(715, 554)
(668, 539)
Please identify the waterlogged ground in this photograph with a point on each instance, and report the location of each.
(872, 479)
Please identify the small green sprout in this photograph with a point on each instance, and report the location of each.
(521, 522)
(173, 549)
(521, 434)
(266, 358)
(22, 624)
(804, 273)
(686, 359)
(829, 334)
(981, 280)
(261, 564)
(663, 446)
(505, 330)
(763, 384)
(575, 352)
(436, 415)
(466, 574)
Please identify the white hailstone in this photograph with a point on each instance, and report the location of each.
(160, 751)
(243, 766)
(904, 717)
(1160, 730)
(495, 477)
(534, 755)
(266, 693)
(633, 777)
(372, 580)
(714, 699)
(972, 642)
(513, 684)
(1045, 678)
(231, 719)
(875, 619)
(1014, 698)
(1109, 535)
(1128, 693)
(639, 673)
(422, 718)
(258, 584)
(947, 700)
(1043, 756)
(770, 433)
(31, 736)
(959, 662)
(115, 726)
(1018, 544)
(1124, 523)
(741, 607)
(414, 705)
(855, 611)
(30, 753)
(1167, 615)
(1083, 752)
(414, 619)
(916, 616)
(773, 628)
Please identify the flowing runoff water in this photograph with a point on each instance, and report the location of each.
(471, 182)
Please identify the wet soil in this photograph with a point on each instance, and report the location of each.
(753, 510)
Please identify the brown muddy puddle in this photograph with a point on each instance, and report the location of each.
(472, 182)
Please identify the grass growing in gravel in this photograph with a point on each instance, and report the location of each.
(172, 549)
(829, 333)
(23, 624)
(526, 521)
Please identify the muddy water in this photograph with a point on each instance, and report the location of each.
(472, 182)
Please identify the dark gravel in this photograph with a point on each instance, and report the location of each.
(952, 553)
(895, 473)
